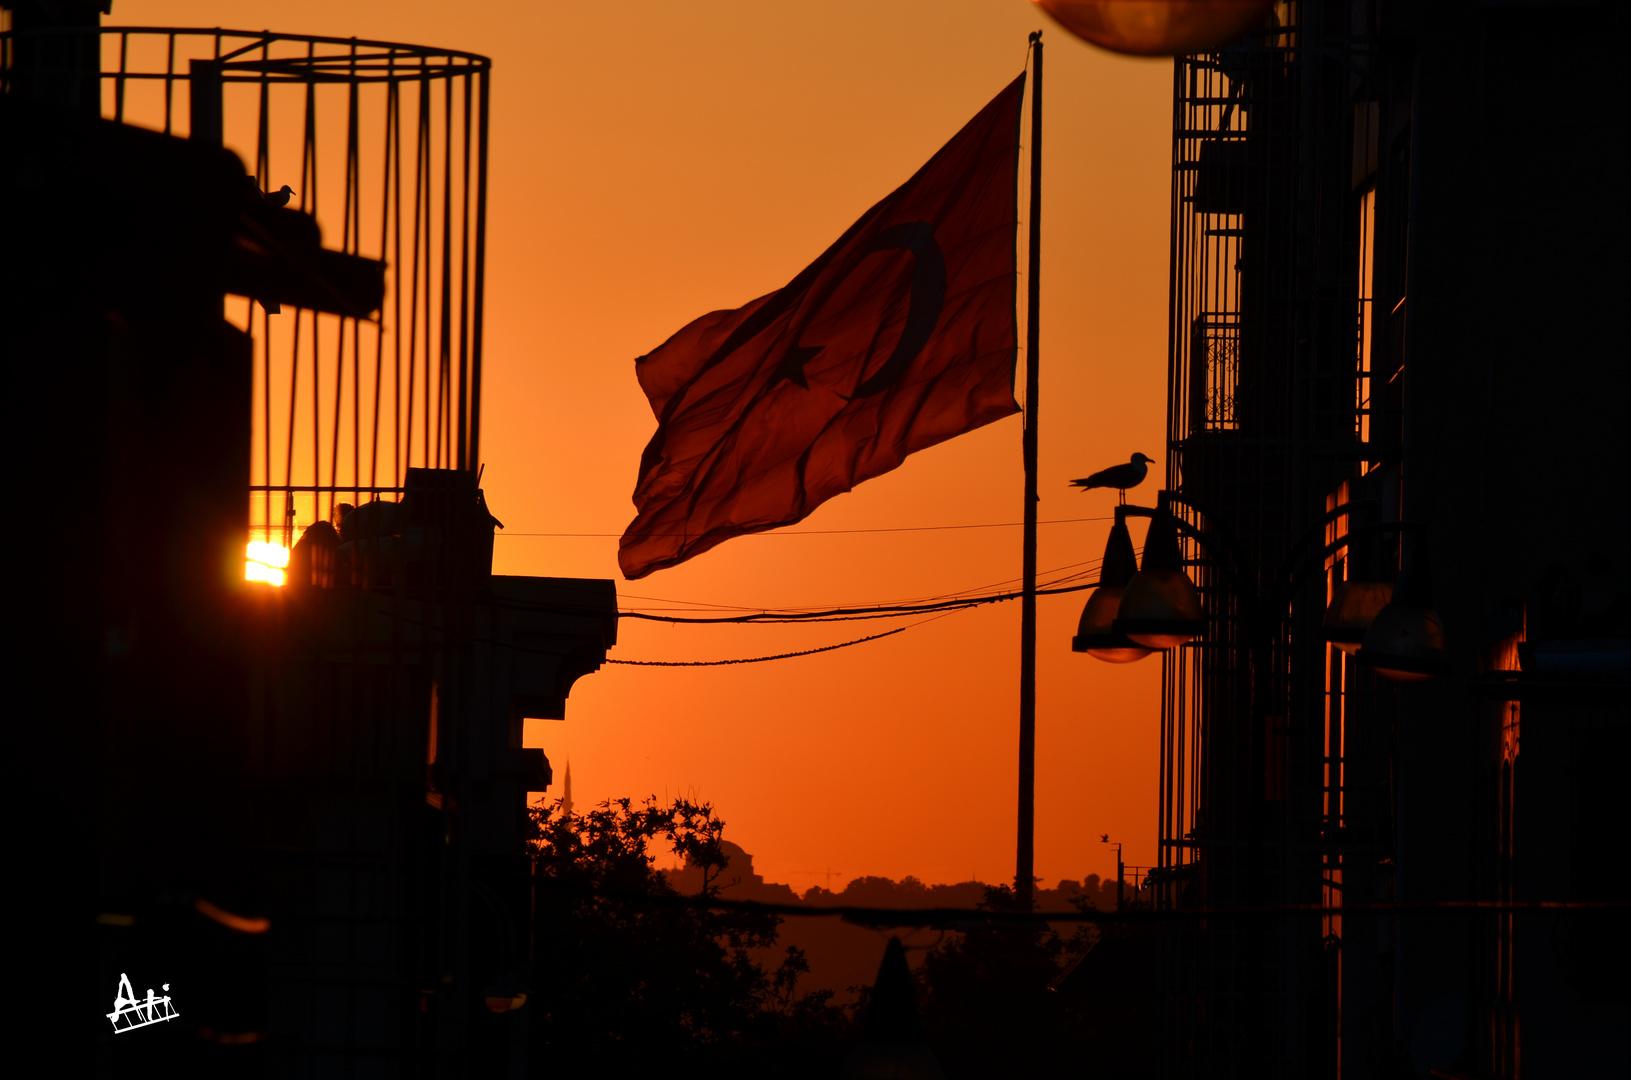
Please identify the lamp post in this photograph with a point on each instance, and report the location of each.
(1121, 870)
(1093, 633)
(1398, 633)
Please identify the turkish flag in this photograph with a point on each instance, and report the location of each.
(901, 335)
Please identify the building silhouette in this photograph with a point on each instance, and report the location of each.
(1395, 368)
(301, 807)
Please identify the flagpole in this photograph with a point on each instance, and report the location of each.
(1025, 863)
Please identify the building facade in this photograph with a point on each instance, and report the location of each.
(1396, 277)
(277, 774)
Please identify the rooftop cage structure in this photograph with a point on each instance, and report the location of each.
(353, 768)
(385, 146)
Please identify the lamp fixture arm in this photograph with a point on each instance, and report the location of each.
(1294, 556)
(1227, 560)
(1337, 545)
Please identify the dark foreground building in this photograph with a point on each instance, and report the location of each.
(1398, 374)
(281, 824)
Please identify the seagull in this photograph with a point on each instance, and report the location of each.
(1120, 477)
(280, 197)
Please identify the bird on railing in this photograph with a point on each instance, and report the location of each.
(280, 197)
(1120, 477)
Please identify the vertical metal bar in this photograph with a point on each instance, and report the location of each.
(478, 302)
(353, 195)
(444, 358)
(396, 290)
(428, 105)
(263, 136)
(263, 169)
(392, 169)
(288, 460)
(119, 81)
(463, 435)
(169, 81)
(308, 197)
(1025, 863)
(413, 297)
(348, 241)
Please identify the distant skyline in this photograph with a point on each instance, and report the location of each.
(651, 163)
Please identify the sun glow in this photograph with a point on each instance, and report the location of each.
(266, 562)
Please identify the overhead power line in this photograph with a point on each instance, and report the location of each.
(837, 614)
(759, 659)
(837, 532)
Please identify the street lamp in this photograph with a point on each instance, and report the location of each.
(1353, 608)
(1121, 871)
(1158, 27)
(1094, 634)
(1405, 643)
(1161, 609)
(1400, 634)
(1356, 601)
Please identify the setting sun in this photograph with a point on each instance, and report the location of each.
(265, 562)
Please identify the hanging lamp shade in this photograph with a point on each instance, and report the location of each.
(1160, 608)
(505, 995)
(1405, 642)
(1158, 27)
(1094, 633)
(1354, 606)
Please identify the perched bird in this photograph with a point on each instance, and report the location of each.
(280, 197)
(1120, 477)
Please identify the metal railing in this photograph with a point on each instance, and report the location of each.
(385, 145)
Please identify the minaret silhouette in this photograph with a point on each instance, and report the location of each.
(566, 788)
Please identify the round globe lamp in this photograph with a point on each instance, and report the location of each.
(1095, 633)
(1354, 606)
(1158, 27)
(1160, 608)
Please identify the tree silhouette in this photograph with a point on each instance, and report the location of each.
(623, 984)
(988, 1001)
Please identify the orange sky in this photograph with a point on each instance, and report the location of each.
(653, 161)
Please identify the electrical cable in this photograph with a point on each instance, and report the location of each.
(835, 532)
(830, 614)
(761, 659)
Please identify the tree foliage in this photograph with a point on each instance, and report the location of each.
(625, 982)
(988, 999)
